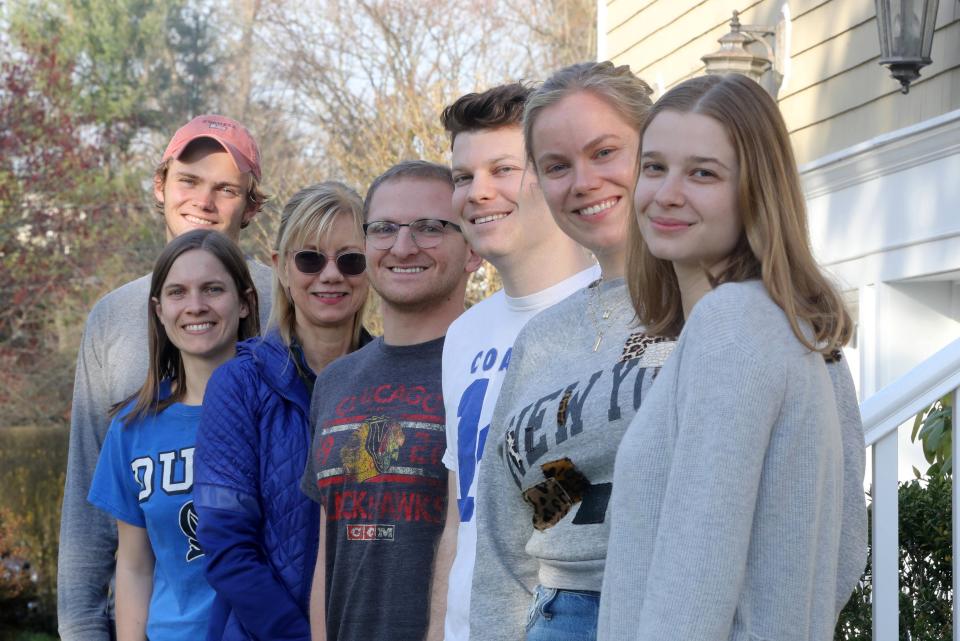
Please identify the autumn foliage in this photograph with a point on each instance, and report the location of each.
(53, 230)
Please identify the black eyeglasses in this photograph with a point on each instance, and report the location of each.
(309, 261)
(426, 232)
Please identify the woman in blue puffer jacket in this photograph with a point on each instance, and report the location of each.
(257, 530)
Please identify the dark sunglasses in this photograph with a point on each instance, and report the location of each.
(309, 261)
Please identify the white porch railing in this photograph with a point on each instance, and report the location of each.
(883, 415)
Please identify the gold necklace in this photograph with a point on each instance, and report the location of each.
(600, 323)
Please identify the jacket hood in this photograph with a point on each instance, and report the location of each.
(276, 366)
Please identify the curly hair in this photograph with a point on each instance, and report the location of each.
(500, 106)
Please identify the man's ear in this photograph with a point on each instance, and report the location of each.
(473, 262)
(155, 304)
(158, 184)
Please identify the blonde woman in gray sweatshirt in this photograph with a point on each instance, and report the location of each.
(577, 374)
(737, 505)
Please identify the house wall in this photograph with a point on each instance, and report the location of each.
(834, 93)
(880, 169)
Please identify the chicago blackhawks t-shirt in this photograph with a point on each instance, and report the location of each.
(376, 468)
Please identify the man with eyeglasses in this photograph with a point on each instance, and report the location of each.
(208, 178)
(378, 419)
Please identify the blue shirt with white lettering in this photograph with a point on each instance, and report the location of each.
(144, 477)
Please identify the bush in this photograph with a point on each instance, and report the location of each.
(32, 467)
(925, 568)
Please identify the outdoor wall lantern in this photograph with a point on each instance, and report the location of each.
(906, 37)
(735, 54)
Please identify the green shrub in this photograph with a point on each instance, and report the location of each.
(925, 568)
(32, 468)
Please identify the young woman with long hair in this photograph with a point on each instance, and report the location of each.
(202, 301)
(576, 375)
(258, 530)
(737, 505)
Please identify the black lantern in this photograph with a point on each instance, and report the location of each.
(906, 37)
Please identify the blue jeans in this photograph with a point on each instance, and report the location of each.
(563, 615)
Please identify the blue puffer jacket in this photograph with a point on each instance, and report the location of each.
(258, 531)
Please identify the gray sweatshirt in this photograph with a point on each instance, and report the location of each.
(560, 400)
(111, 365)
(738, 507)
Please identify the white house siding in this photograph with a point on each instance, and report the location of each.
(881, 169)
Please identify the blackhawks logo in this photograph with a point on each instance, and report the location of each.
(374, 447)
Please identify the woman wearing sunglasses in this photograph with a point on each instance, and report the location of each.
(257, 529)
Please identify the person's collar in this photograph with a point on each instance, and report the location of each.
(306, 374)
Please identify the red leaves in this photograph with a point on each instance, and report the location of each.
(52, 196)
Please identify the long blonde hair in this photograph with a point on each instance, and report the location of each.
(309, 214)
(774, 246)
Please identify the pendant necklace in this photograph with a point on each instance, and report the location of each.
(599, 315)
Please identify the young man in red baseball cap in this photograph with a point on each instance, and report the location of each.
(208, 178)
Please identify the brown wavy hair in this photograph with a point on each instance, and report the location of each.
(500, 106)
(774, 246)
(165, 360)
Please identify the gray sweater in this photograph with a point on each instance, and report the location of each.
(738, 505)
(560, 400)
(111, 365)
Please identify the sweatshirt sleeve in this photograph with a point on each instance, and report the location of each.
(700, 551)
(88, 536)
(853, 529)
(504, 576)
(226, 495)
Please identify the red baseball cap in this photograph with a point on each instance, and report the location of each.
(231, 135)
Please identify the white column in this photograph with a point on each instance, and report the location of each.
(955, 452)
(883, 464)
(601, 30)
(886, 571)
